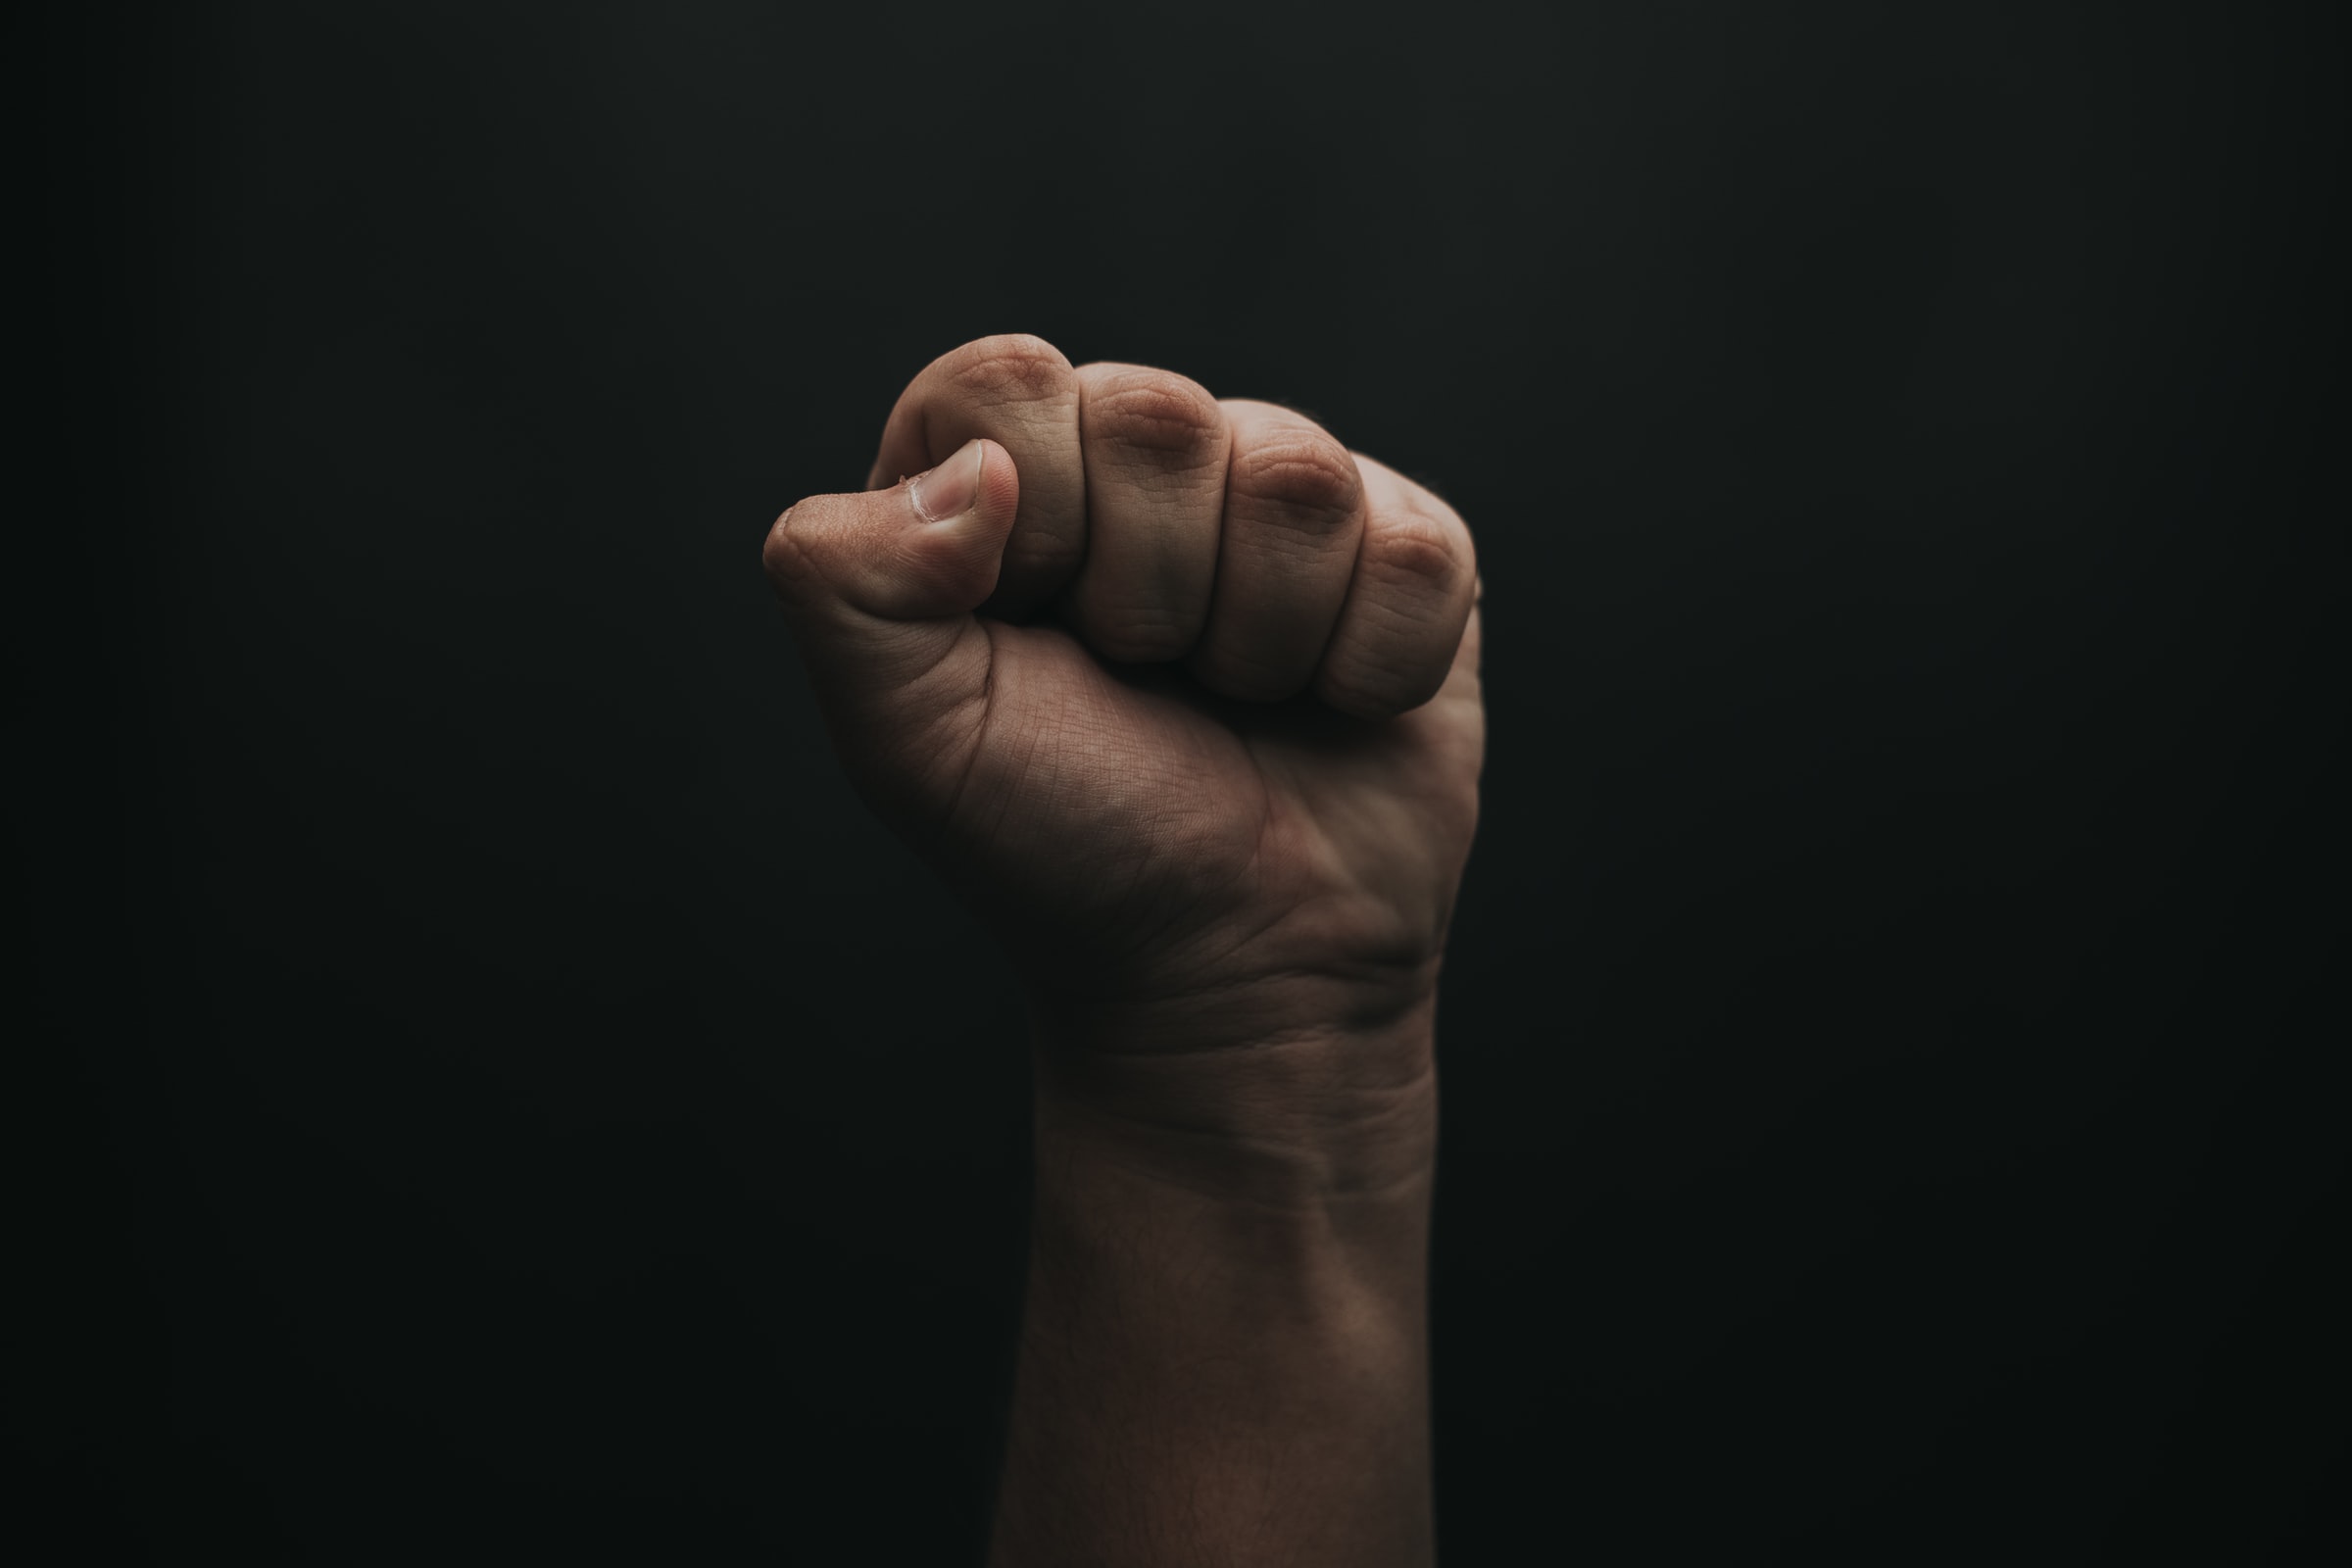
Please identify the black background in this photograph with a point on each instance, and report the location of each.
(520, 1105)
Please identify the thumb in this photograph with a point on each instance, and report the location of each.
(879, 589)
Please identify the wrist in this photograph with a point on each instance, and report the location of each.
(1290, 1118)
(1225, 1340)
(1190, 1015)
(1221, 1201)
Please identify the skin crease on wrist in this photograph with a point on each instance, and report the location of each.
(1181, 697)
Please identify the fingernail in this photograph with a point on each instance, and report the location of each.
(949, 490)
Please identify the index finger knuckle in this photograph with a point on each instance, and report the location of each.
(1010, 368)
(1155, 412)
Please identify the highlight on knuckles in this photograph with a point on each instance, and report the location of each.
(1162, 525)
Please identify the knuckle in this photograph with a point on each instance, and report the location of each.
(1154, 411)
(1302, 473)
(1011, 367)
(1411, 549)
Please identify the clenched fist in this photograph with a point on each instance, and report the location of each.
(1182, 696)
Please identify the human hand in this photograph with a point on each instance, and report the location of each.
(1183, 697)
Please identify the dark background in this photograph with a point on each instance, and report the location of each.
(520, 1108)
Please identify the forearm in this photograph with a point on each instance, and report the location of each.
(1224, 1349)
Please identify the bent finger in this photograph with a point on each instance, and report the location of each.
(1021, 392)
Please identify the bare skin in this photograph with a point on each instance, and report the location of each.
(1182, 697)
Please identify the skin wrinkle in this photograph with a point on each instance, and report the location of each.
(977, 747)
(1304, 491)
(1154, 449)
(1315, 1184)
(1159, 414)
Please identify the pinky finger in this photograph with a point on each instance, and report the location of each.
(1408, 603)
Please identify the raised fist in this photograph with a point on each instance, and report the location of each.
(1179, 693)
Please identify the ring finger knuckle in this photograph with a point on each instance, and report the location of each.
(1302, 477)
